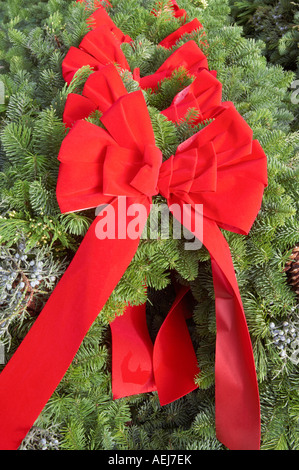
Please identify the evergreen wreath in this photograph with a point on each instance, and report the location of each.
(31, 135)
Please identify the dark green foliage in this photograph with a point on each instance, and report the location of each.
(81, 414)
(276, 23)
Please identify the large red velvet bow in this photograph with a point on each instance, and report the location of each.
(220, 167)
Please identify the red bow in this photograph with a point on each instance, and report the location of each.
(219, 167)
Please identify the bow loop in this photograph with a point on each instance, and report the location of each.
(146, 180)
(98, 48)
(101, 90)
(128, 122)
(188, 56)
(101, 17)
(121, 160)
(204, 94)
(220, 167)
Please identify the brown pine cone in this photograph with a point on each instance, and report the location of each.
(292, 269)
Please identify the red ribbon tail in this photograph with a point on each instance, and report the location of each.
(175, 361)
(237, 396)
(169, 366)
(35, 370)
(132, 354)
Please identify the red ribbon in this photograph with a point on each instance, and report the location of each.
(219, 167)
(204, 95)
(100, 18)
(138, 366)
(178, 12)
(100, 91)
(98, 48)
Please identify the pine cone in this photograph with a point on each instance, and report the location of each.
(292, 269)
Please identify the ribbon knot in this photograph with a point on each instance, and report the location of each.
(146, 180)
(129, 172)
